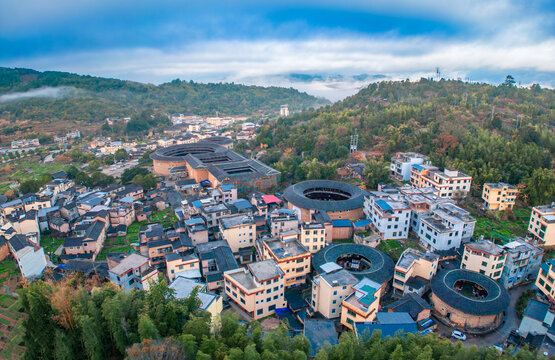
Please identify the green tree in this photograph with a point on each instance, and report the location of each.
(375, 172)
(147, 329)
(121, 154)
(540, 187)
(39, 324)
(128, 174)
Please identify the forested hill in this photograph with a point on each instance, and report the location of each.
(494, 133)
(65, 96)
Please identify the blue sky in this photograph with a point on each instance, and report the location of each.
(327, 48)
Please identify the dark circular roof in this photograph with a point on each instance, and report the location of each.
(381, 265)
(351, 197)
(178, 152)
(494, 303)
(219, 140)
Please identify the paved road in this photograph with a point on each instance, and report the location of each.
(499, 335)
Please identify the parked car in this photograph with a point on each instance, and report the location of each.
(458, 335)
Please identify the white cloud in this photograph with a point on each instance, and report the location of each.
(269, 62)
(44, 92)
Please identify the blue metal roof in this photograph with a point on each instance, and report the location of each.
(362, 222)
(194, 221)
(227, 187)
(365, 330)
(197, 204)
(242, 204)
(384, 205)
(341, 223)
(417, 166)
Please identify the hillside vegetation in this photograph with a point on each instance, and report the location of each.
(494, 133)
(68, 97)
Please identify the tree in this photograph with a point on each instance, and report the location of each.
(121, 154)
(39, 325)
(128, 174)
(147, 329)
(509, 81)
(540, 187)
(375, 172)
(147, 182)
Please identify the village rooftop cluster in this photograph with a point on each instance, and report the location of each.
(309, 254)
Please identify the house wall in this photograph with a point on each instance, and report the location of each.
(459, 318)
(173, 267)
(255, 302)
(486, 264)
(313, 239)
(324, 295)
(351, 315)
(240, 236)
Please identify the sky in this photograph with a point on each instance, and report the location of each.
(326, 48)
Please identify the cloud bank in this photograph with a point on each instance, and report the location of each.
(44, 92)
(325, 47)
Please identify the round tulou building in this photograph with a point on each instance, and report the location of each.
(468, 300)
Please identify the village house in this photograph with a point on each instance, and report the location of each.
(133, 272)
(330, 288)
(290, 255)
(484, 257)
(362, 305)
(542, 225)
(215, 258)
(450, 183)
(499, 196)
(413, 272)
(257, 289)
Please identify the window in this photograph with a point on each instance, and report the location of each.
(484, 263)
(271, 308)
(335, 293)
(334, 302)
(259, 311)
(333, 311)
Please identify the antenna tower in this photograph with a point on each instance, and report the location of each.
(354, 142)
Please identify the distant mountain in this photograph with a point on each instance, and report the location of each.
(50, 96)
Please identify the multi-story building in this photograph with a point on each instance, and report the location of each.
(499, 196)
(545, 281)
(450, 183)
(258, 289)
(363, 304)
(281, 220)
(29, 256)
(197, 231)
(484, 257)
(215, 258)
(446, 228)
(178, 263)
(133, 272)
(330, 289)
(239, 231)
(422, 202)
(313, 236)
(522, 263)
(213, 213)
(413, 272)
(542, 225)
(389, 212)
(122, 213)
(402, 162)
(290, 255)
